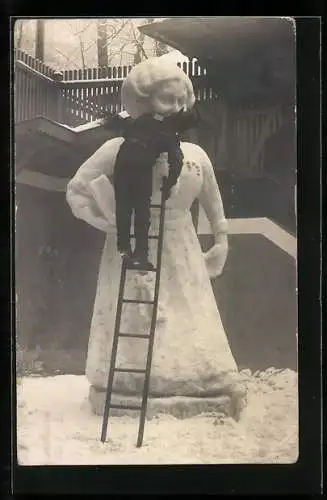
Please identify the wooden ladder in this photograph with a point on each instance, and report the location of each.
(149, 337)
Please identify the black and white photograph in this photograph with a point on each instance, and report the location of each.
(156, 297)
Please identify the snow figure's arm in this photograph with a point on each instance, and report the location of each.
(90, 193)
(210, 200)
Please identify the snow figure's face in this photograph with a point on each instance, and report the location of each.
(169, 98)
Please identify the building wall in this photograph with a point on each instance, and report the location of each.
(254, 156)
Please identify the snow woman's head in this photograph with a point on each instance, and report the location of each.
(157, 86)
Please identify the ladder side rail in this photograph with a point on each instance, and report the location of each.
(153, 323)
(113, 353)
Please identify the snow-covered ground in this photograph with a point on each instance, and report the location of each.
(55, 426)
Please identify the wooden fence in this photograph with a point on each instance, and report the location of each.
(234, 140)
(75, 97)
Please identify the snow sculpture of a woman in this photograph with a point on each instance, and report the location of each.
(191, 354)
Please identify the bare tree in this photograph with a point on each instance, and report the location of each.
(19, 31)
(82, 43)
(102, 44)
(24, 34)
(80, 31)
(81, 46)
(39, 40)
(123, 40)
(138, 39)
(160, 48)
(111, 35)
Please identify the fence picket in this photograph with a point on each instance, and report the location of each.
(18, 102)
(43, 99)
(30, 61)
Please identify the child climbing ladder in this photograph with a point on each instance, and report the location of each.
(150, 126)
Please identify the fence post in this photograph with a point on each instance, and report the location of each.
(58, 77)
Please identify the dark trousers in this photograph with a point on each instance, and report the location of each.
(133, 190)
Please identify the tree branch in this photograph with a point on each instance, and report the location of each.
(20, 34)
(138, 43)
(82, 51)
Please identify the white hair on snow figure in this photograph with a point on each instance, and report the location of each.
(156, 80)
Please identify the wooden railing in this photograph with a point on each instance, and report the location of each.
(36, 91)
(32, 63)
(111, 73)
(191, 68)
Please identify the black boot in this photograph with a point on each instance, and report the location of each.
(126, 254)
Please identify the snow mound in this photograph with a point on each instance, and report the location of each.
(55, 426)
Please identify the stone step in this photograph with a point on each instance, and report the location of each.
(178, 406)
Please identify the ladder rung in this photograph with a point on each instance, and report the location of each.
(140, 269)
(136, 301)
(151, 236)
(126, 407)
(134, 335)
(155, 205)
(130, 370)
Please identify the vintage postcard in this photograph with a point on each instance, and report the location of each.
(156, 240)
